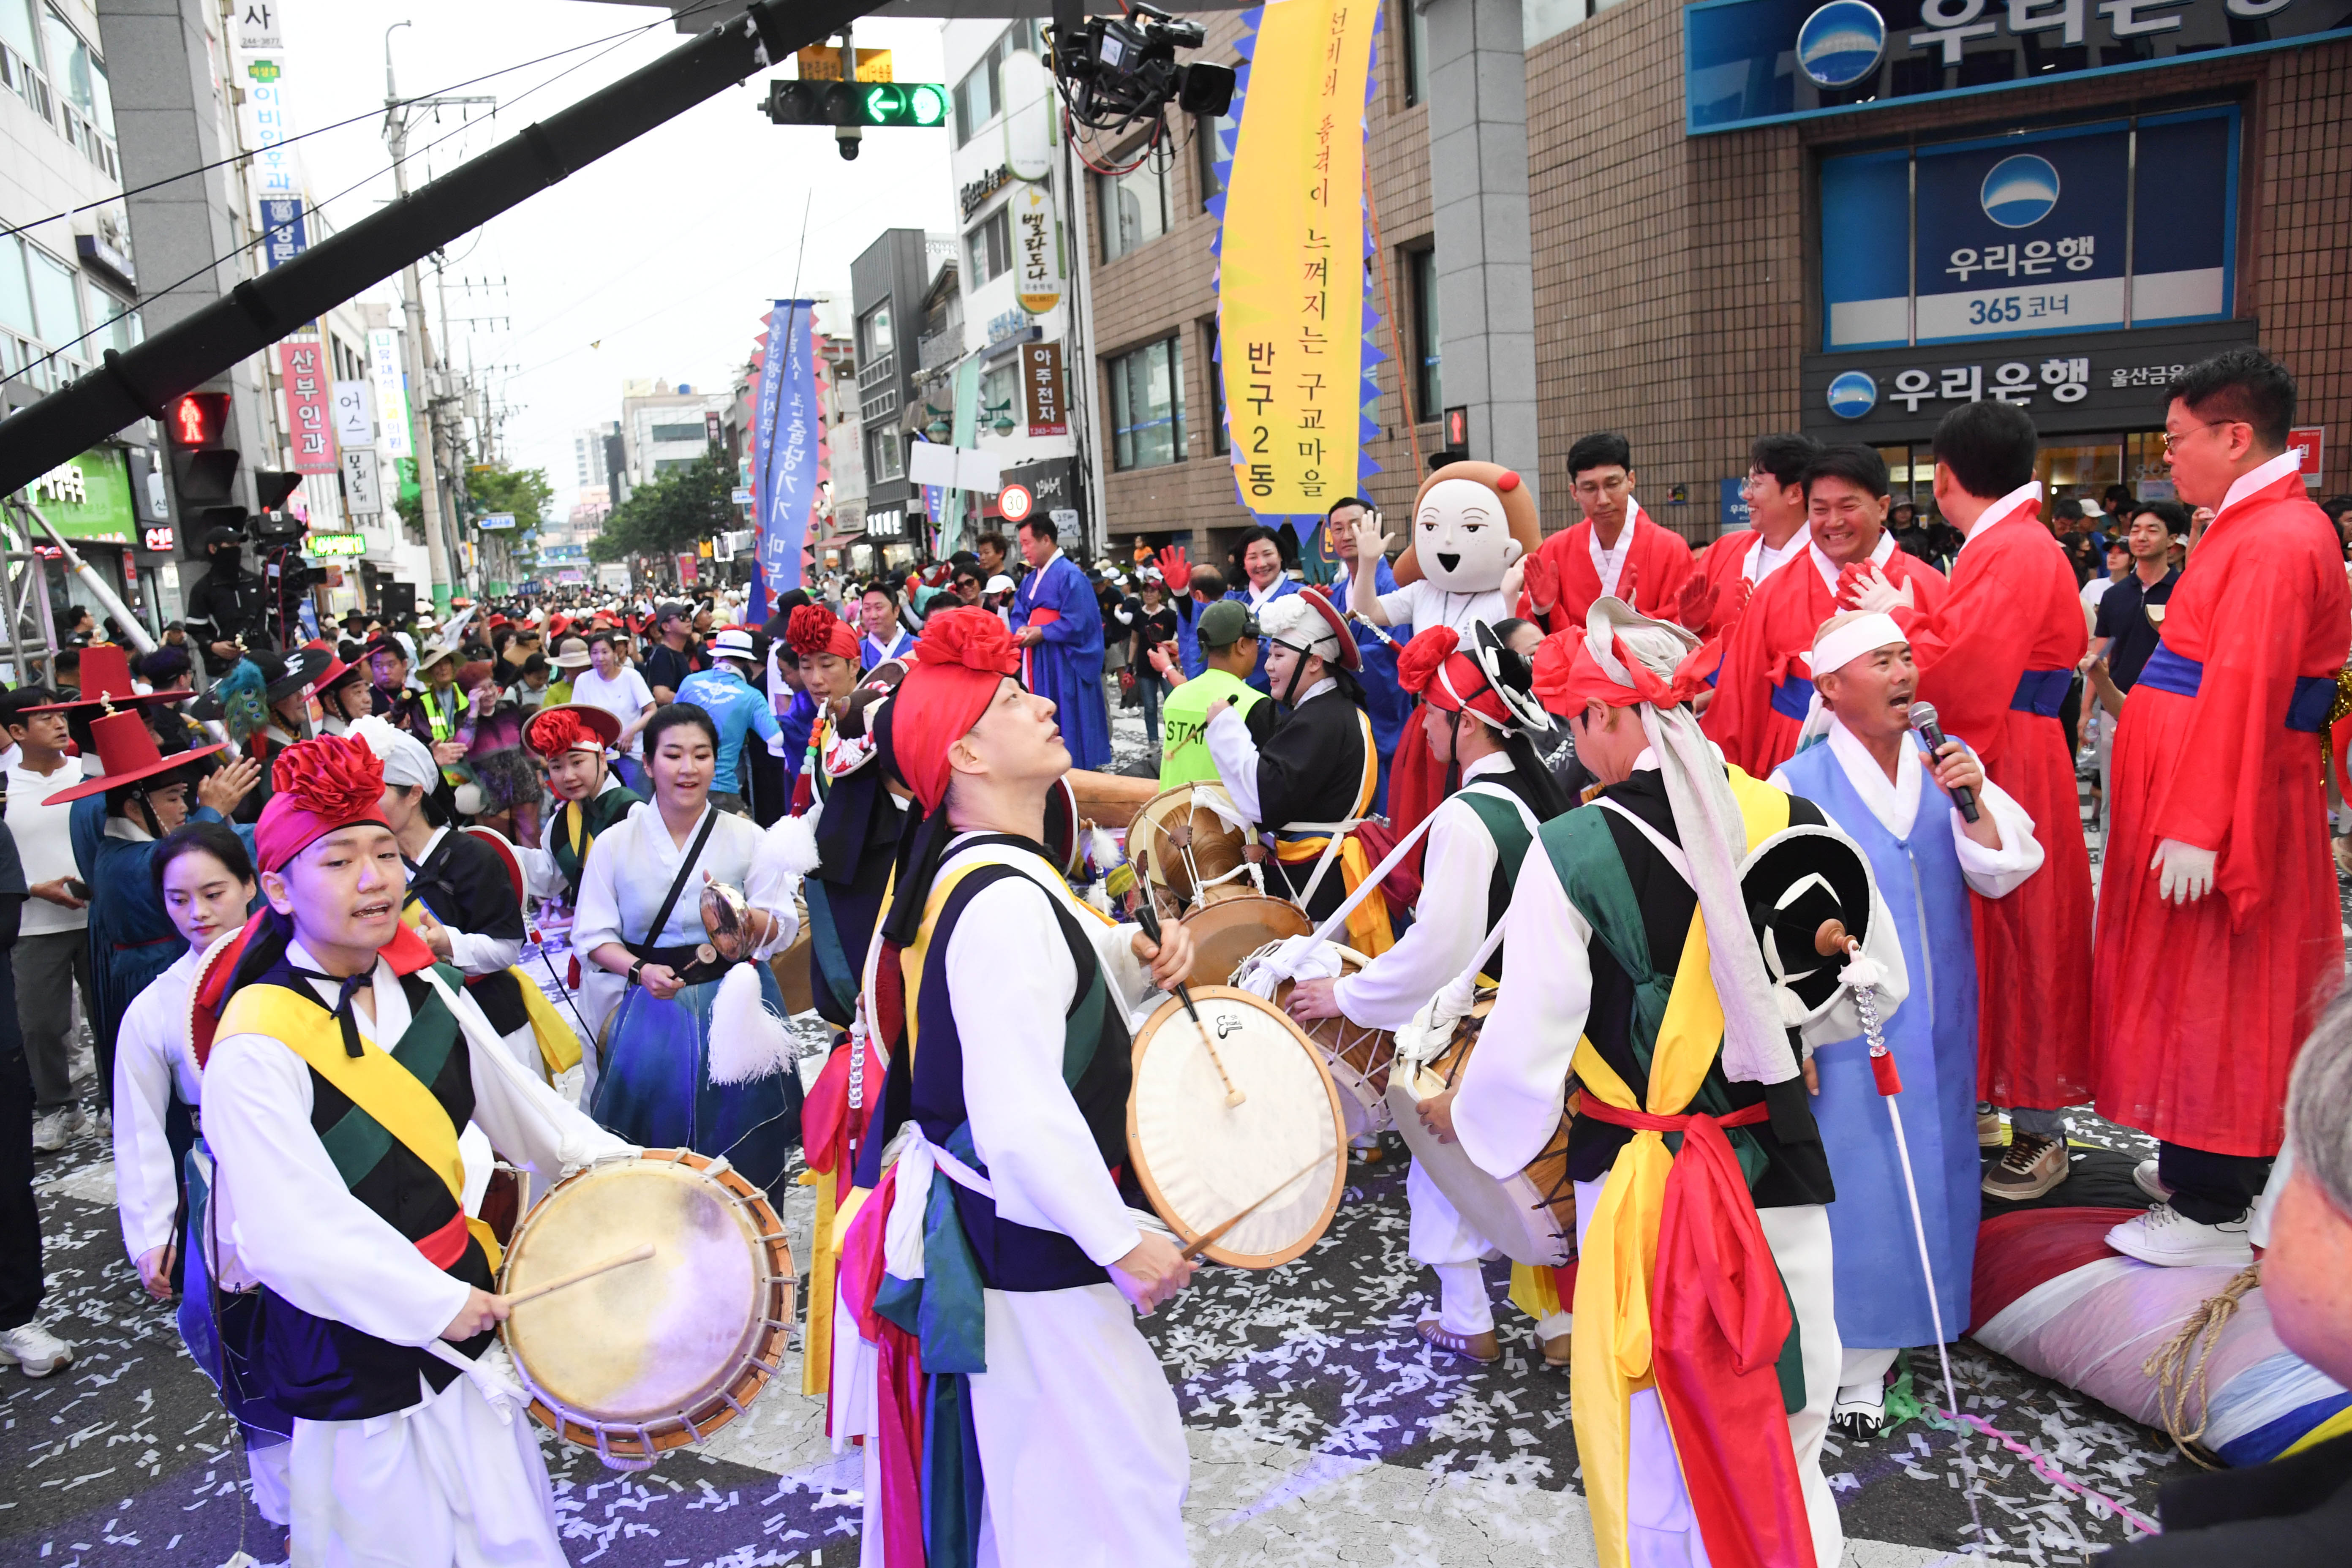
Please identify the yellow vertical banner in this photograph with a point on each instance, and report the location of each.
(1291, 316)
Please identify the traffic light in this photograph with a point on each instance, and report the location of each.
(203, 466)
(922, 104)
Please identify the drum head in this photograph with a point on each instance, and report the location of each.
(1230, 929)
(649, 1342)
(1201, 1161)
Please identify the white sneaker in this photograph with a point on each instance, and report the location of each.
(56, 1130)
(33, 1348)
(2144, 1176)
(2164, 1237)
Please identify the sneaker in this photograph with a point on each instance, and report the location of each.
(33, 1348)
(2144, 1176)
(1485, 1349)
(1987, 1126)
(2165, 1238)
(57, 1128)
(2029, 1167)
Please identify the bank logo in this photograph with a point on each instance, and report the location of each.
(1853, 394)
(2020, 191)
(1841, 42)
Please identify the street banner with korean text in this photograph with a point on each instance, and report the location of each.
(784, 449)
(310, 430)
(1296, 332)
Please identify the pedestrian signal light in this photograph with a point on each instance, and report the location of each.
(199, 420)
(922, 104)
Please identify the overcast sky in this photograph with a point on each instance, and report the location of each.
(657, 260)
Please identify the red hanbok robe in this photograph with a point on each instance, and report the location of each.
(1996, 658)
(1658, 557)
(2199, 1008)
(1764, 685)
(1725, 563)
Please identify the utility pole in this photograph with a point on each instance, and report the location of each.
(412, 305)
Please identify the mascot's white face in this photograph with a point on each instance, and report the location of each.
(1461, 537)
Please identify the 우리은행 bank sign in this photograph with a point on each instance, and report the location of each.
(1753, 62)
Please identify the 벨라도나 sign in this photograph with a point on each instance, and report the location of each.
(1036, 248)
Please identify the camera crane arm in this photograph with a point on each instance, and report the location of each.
(137, 384)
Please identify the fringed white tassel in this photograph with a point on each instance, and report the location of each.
(747, 1041)
(789, 847)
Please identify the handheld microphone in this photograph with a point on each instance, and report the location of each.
(1931, 735)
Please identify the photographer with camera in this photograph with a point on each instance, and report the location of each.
(229, 610)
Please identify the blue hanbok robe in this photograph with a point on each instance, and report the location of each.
(1388, 705)
(132, 938)
(1924, 873)
(1066, 667)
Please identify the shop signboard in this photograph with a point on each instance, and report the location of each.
(2014, 236)
(1755, 62)
(2095, 382)
(303, 376)
(88, 498)
(1042, 389)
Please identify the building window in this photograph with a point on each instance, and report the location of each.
(1147, 405)
(1219, 438)
(694, 432)
(1416, 54)
(874, 333)
(980, 96)
(883, 460)
(1000, 399)
(57, 304)
(1420, 275)
(988, 248)
(1134, 207)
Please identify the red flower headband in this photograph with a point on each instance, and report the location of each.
(321, 785)
(813, 630)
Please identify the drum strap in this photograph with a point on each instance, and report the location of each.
(685, 872)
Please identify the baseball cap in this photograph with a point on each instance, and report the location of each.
(1225, 623)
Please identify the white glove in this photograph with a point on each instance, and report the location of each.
(1874, 591)
(2186, 872)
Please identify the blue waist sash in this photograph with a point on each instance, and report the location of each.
(2040, 692)
(1792, 697)
(2305, 711)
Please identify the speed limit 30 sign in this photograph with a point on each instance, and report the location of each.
(1014, 502)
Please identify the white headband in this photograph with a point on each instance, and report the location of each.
(1836, 649)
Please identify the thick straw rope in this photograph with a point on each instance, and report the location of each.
(2178, 1382)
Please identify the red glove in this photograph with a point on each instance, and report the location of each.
(1694, 601)
(1176, 570)
(1851, 577)
(1542, 581)
(1739, 597)
(1629, 583)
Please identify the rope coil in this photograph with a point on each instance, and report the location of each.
(2178, 1381)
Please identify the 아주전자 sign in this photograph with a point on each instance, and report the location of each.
(1291, 307)
(2014, 236)
(1042, 390)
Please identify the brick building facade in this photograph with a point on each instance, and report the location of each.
(1678, 278)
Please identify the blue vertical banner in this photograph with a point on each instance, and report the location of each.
(784, 451)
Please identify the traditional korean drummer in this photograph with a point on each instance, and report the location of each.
(1479, 710)
(338, 1190)
(1029, 1279)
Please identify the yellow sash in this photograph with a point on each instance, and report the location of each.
(558, 1044)
(371, 1080)
(1611, 1357)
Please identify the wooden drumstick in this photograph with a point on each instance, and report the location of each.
(1148, 918)
(1211, 1238)
(638, 1254)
